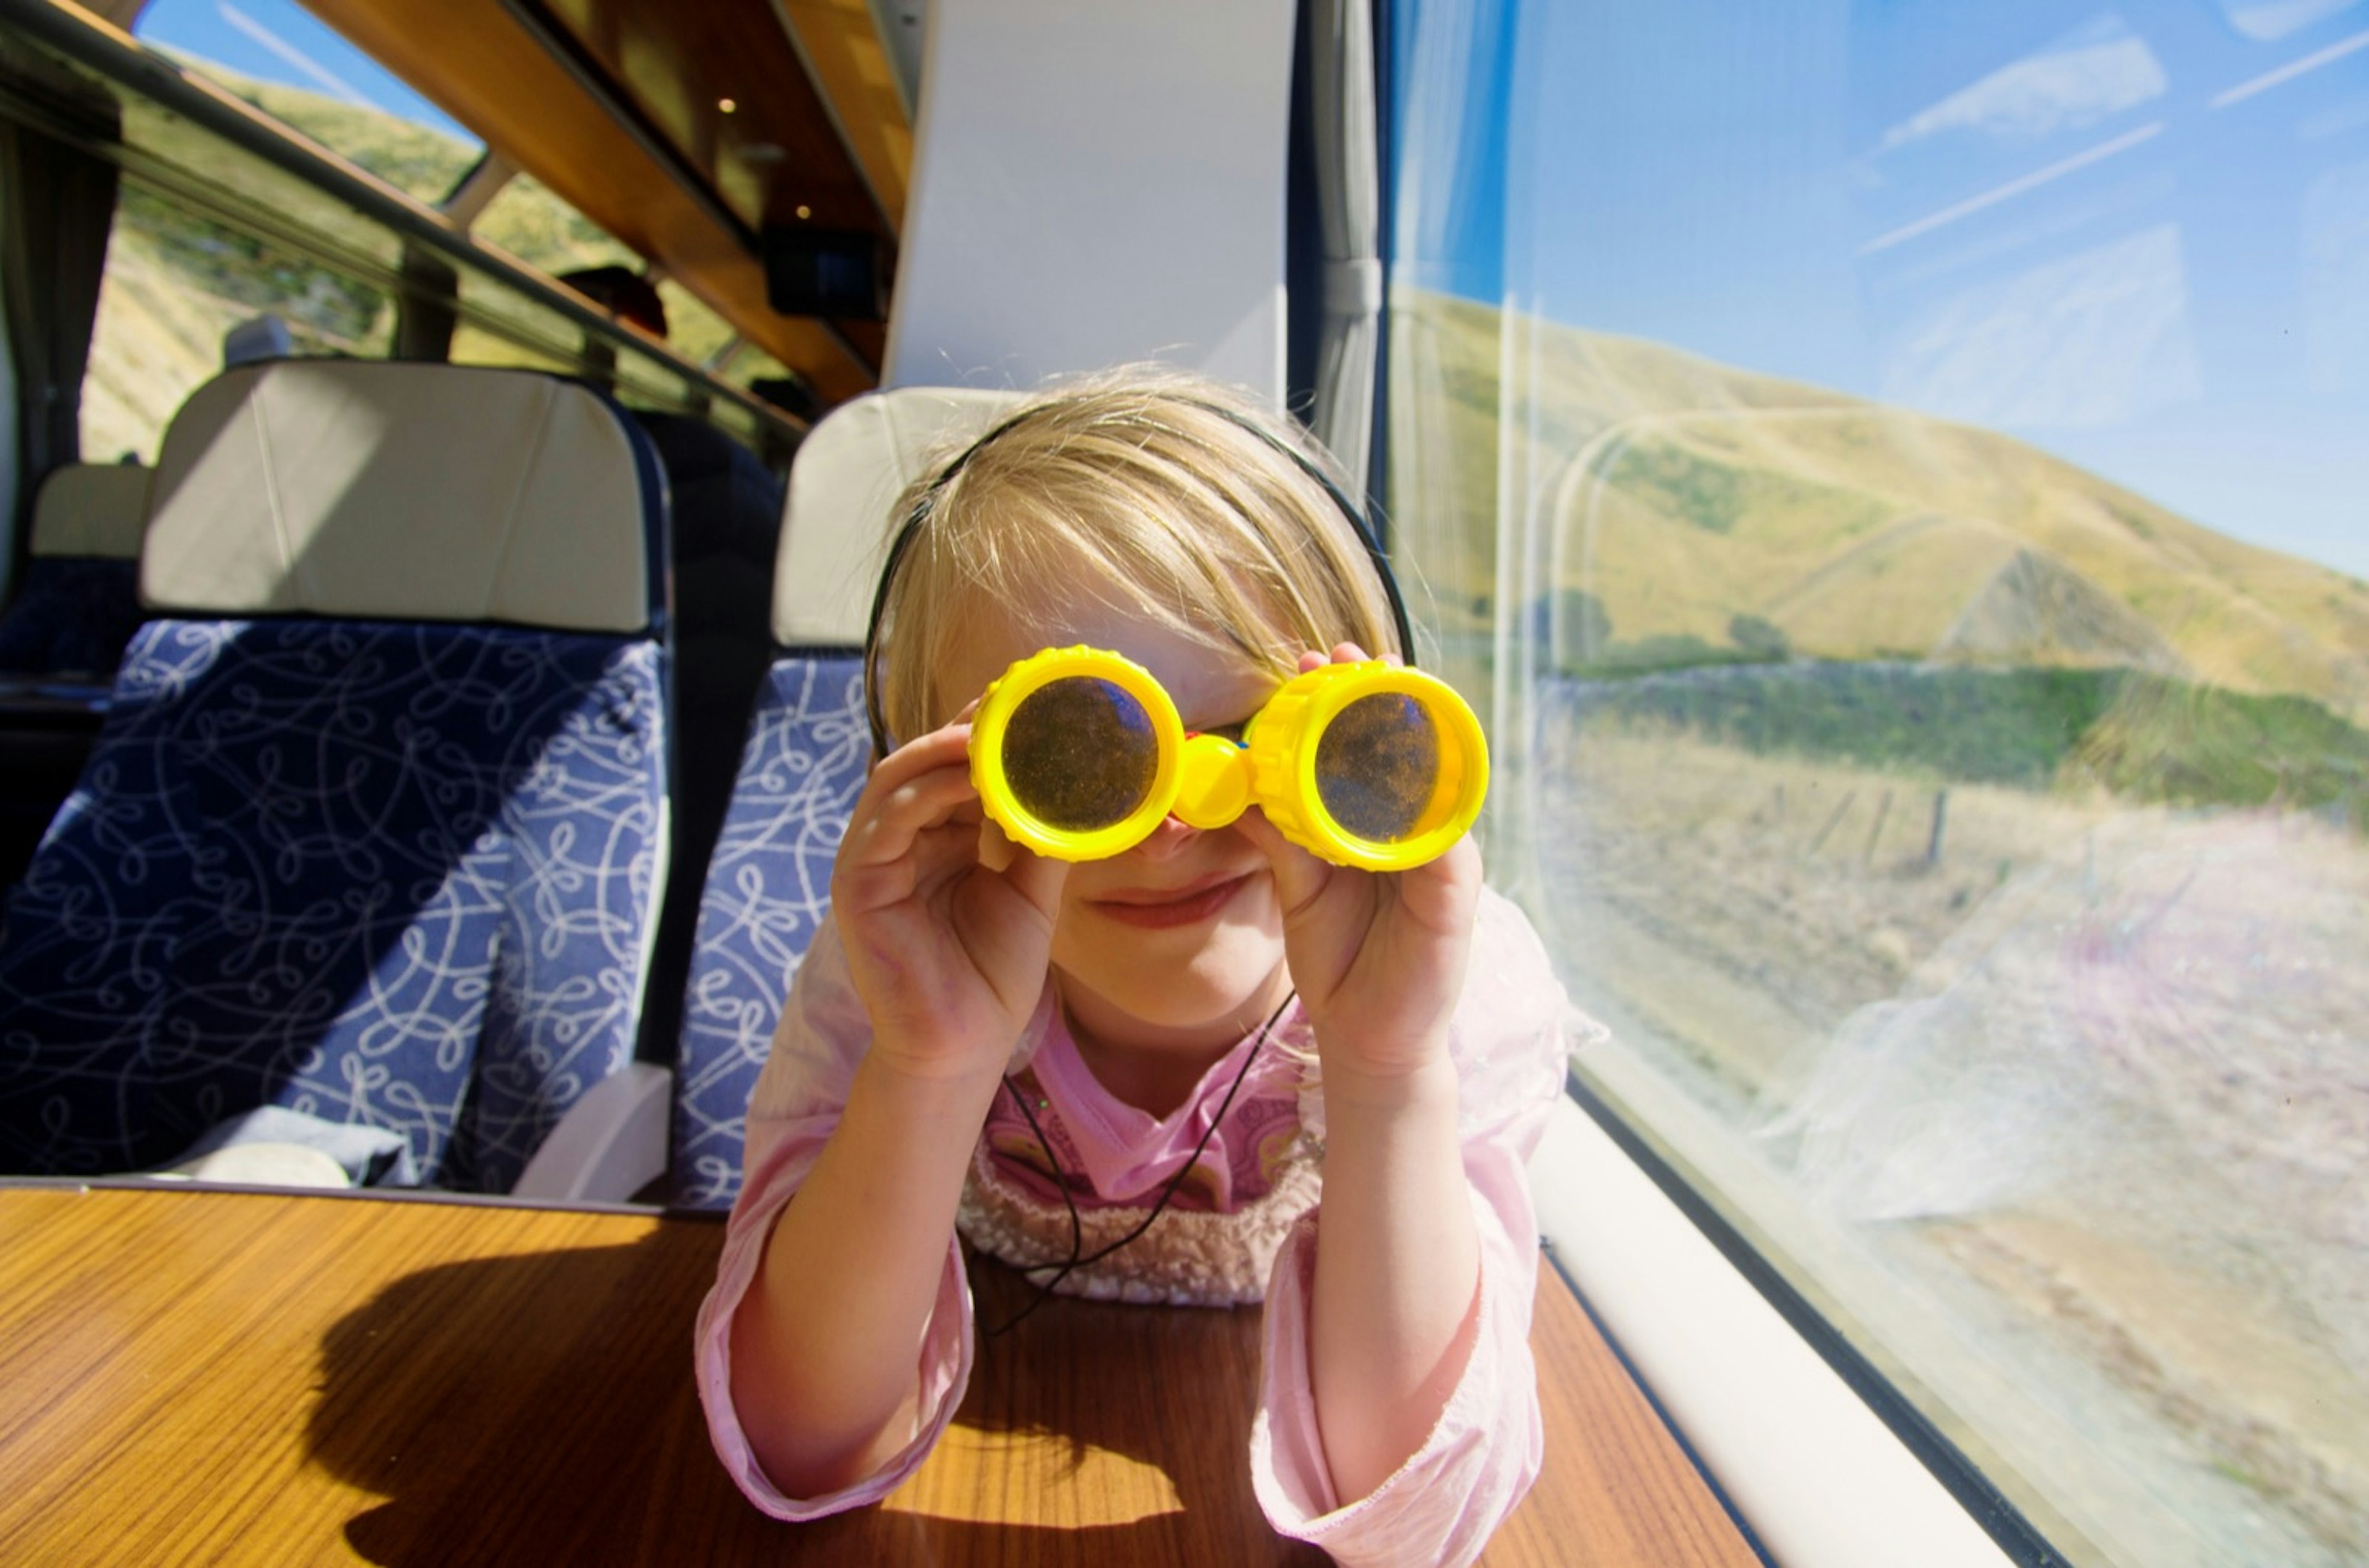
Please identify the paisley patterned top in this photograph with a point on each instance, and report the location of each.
(1240, 1229)
(1215, 1242)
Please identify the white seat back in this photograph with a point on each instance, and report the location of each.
(844, 486)
(92, 510)
(393, 491)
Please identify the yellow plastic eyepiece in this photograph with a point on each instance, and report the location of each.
(1074, 752)
(1213, 784)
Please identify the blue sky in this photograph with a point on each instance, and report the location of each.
(277, 40)
(2135, 235)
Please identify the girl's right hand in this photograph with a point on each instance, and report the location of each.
(948, 954)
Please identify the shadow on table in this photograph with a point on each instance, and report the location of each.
(539, 1408)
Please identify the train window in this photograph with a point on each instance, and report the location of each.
(176, 282)
(277, 57)
(697, 333)
(206, 238)
(527, 219)
(500, 326)
(209, 236)
(1892, 476)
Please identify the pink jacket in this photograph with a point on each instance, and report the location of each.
(1242, 1226)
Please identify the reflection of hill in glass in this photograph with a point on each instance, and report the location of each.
(1685, 499)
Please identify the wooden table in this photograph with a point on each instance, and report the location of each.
(233, 1377)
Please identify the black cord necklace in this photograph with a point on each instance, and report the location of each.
(1061, 1179)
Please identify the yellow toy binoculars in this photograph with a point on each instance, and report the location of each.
(1079, 754)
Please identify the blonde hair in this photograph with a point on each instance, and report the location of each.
(1156, 493)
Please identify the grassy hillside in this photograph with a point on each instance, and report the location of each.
(1683, 498)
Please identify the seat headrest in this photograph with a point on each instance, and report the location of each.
(393, 491)
(91, 509)
(847, 475)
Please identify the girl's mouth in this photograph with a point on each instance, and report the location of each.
(1152, 909)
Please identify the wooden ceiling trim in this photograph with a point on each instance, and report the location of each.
(840, 45)
(603, 78)
(724, 88)
(474, 60)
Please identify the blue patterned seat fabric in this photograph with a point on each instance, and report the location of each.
(768, 891)
(395, 874)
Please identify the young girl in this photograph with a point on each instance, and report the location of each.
(982, 1038)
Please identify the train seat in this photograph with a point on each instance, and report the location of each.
(375, 824)
(60, 639)
(804, 761)
(80, 602)
(726, 519)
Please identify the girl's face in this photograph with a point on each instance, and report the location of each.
(1179, 940)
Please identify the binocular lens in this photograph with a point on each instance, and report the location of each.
(1378, 767)
(1080, 754)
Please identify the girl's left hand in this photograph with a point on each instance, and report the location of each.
(1377, 957)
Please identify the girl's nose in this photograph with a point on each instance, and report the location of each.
(1172, 834)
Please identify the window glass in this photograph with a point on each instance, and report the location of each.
(527, 219)
(696, 332)
(208, 237)
(1891, 474)
(177, 281)
(500, 328)
(752, 364)
(277, 57)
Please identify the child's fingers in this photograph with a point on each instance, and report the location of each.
(1035, 878)
(1440, 894)
(940, 747)
(892, 814)
(1299, 876)
(996, 852)
(1342, 653)
(909, 854)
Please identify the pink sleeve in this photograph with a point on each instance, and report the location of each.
(1443, 1504)
(793, 1111)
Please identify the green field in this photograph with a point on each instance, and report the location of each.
(2142, 737)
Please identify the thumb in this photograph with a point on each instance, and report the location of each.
(1299, 876)
(1035, 878)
